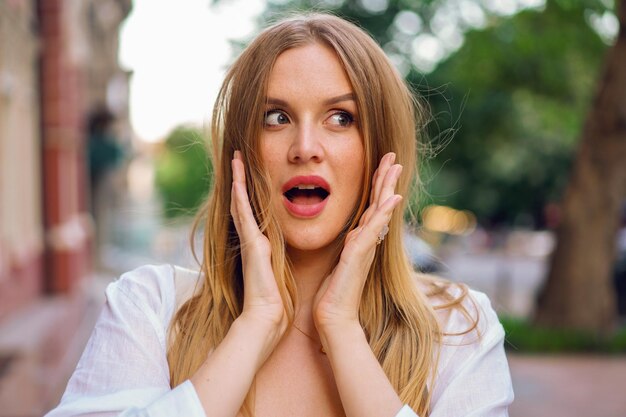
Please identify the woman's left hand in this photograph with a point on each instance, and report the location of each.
(337, 301)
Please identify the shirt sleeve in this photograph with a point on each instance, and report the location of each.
(123, 370)
(406, 411)
(473, 378)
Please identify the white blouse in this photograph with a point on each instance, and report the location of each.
(124, 372)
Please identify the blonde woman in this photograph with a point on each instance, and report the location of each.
(306, 304)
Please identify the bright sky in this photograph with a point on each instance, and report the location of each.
(178, 52)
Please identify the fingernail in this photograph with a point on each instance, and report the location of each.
(392, 157)
(237, 155)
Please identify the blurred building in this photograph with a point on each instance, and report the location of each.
(58, 60)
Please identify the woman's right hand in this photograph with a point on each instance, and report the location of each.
(224, 379)
(262, 306)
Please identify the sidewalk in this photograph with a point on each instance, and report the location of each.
(568, 386)
(40, 346)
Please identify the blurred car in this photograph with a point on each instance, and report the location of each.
(421, 254)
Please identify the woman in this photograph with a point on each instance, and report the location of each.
(307, 304)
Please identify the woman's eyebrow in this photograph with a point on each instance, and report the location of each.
(327, 102)
(276, 102)
(343, 97)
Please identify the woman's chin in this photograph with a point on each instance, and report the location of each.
(305, 246)
(303, 243)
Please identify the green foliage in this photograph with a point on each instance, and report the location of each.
(516, 94)
(183, 172)
(521, 336)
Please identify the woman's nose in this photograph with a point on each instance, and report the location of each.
(306, 145)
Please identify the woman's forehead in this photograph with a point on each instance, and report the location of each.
(312, 69)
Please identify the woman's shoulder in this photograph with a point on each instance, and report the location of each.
(153, 288)
(145, 282)
(460, 310)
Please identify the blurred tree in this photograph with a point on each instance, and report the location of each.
(579, 291)
(520, 89)
(183, 172)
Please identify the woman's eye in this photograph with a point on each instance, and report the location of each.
(343, 119)
(275, 118)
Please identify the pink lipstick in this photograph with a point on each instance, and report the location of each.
(306, 195)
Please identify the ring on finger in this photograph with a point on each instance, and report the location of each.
(382, 234)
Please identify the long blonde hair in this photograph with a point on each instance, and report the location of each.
(397, 317)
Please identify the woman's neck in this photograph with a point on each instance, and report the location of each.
(310, 268)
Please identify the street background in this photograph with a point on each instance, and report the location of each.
(104, 108)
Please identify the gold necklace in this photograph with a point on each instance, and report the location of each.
(309, 336)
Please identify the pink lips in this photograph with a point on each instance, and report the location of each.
(308, 210)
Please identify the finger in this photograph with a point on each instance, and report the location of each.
(239, 177)
(374, 179)
(367, 214)
(354, 233)
(379, 220)
(389, 183)
(385, 163)
(377, 180)
(386, 190)
(239, 174)
(383, 167)
(233, 204)
(248, 227)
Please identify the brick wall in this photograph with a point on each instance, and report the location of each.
(62, 81)
(21, 226)
(58, 58)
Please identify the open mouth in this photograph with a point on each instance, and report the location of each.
(306, 194)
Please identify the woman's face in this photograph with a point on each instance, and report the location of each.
(312, 146)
